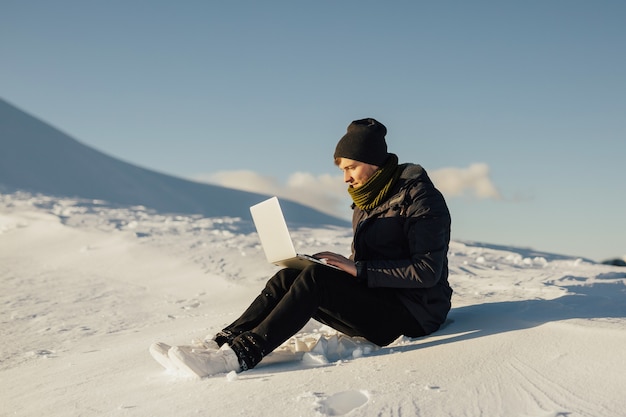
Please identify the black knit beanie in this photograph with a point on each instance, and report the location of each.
(364, 142)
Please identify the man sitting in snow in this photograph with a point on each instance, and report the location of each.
(394, 283)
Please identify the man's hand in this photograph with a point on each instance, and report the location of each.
(339, 261)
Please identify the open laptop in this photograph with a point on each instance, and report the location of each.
(275, 238)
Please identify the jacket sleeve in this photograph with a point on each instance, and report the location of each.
(428, 238)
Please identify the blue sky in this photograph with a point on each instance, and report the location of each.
(521, 103)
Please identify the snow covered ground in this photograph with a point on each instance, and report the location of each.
(86, 288)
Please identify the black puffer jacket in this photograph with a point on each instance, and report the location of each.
(403, 244)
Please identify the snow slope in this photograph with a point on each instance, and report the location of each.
(39, 158)
(85, 289)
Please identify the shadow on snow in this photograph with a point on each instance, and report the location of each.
(603, 300)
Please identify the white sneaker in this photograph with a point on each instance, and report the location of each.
(159, 351)
(203, 363)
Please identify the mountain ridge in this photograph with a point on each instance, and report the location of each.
(37, 157)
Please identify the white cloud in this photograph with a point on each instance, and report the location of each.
(328, 194)
(454, 182)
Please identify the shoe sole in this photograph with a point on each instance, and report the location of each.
(159, 353)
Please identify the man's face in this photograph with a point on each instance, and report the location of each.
(355, 173)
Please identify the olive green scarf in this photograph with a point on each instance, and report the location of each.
(376, 189)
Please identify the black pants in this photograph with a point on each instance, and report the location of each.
(292, 297)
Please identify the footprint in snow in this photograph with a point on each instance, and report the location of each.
(342, 403)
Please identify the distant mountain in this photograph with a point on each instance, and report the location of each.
(36, 157)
